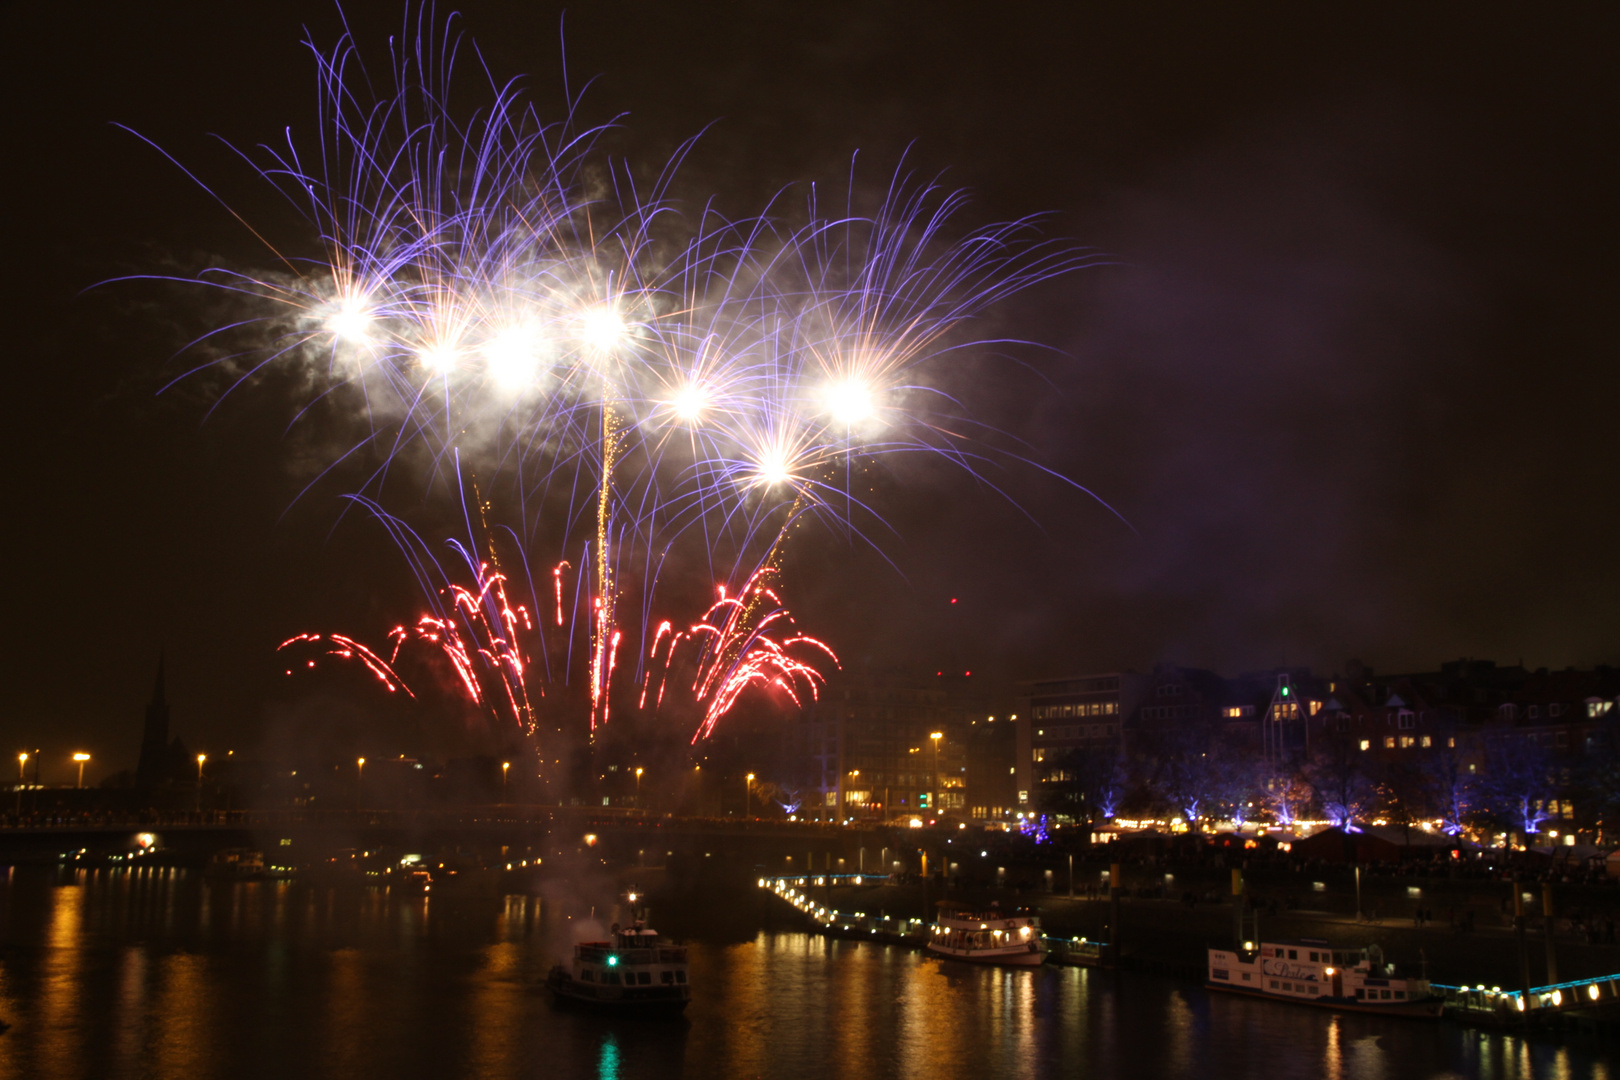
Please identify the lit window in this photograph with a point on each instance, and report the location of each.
(1426, 742)
(1406, 742)
(1389, 742)
(1366, 744)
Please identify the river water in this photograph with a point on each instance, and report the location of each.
(163, 974)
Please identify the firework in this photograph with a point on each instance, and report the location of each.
(635, 379)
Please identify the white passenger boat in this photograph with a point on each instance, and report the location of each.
(631, 972)
(988, 936)
(1311, 972)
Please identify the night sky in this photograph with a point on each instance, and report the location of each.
(1348, 370)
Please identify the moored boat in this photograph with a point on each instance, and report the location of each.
(988, 936)
(630, 972)
(1311, 972)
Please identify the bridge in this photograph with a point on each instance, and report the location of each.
(619, 834)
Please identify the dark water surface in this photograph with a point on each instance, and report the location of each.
(160, 973)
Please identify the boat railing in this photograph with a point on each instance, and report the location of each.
(660, 954)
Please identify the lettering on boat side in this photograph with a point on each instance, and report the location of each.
(1284, 969)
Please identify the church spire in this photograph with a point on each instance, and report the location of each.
(153, 766)
(158, 699)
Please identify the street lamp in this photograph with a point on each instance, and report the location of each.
(936, 736)
(639, 771)
(200, 759)
(748, 791)
(81, 758)
(22, 762)
(504, 766)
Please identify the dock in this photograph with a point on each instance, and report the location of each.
(864, 926)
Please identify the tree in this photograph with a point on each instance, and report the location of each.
(1403, 793)
(1090, 784)
(1597, 791)
(1517, 782)
(1284, 792)
(1453, 788)
(1337, 774)
(1186, 779)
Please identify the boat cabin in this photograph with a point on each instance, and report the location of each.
(1312, 970)
(630, 957)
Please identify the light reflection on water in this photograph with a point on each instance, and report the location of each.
(162, 974)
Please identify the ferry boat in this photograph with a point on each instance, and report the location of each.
(631, 972)
(237, 864)
(1312, 972)
(988, 936)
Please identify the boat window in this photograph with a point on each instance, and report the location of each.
(590, 976)
(1313, 990)
(1399, 994)
(644, 978)
(1361, 992)
(1274, 984)
(1245, 976)
(610, 978)
(1384, 995)
(666, 977)
(1293, 954)
(680, 976)
(1314, 958)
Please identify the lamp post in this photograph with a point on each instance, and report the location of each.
(505, 765)
(934, 801)
(359, 779)
(748, 792)
(81, 758)
(22, 763)
(200, 759)
(639, 771)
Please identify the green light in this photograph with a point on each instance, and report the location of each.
(613, 961)
(1285, 691)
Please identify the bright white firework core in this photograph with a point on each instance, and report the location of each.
(850, 402)
(602, 329)
(690, 402)
(773, 469)
(439, 359)
(351, 321)
(513, 356)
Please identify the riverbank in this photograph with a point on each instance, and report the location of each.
(1173, 935)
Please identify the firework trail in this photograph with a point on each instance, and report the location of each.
(637, 379)
(346, 648)
(742, 641)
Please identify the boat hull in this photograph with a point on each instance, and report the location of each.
(627, 1000)
(1427, 1009)
(1021, 957)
